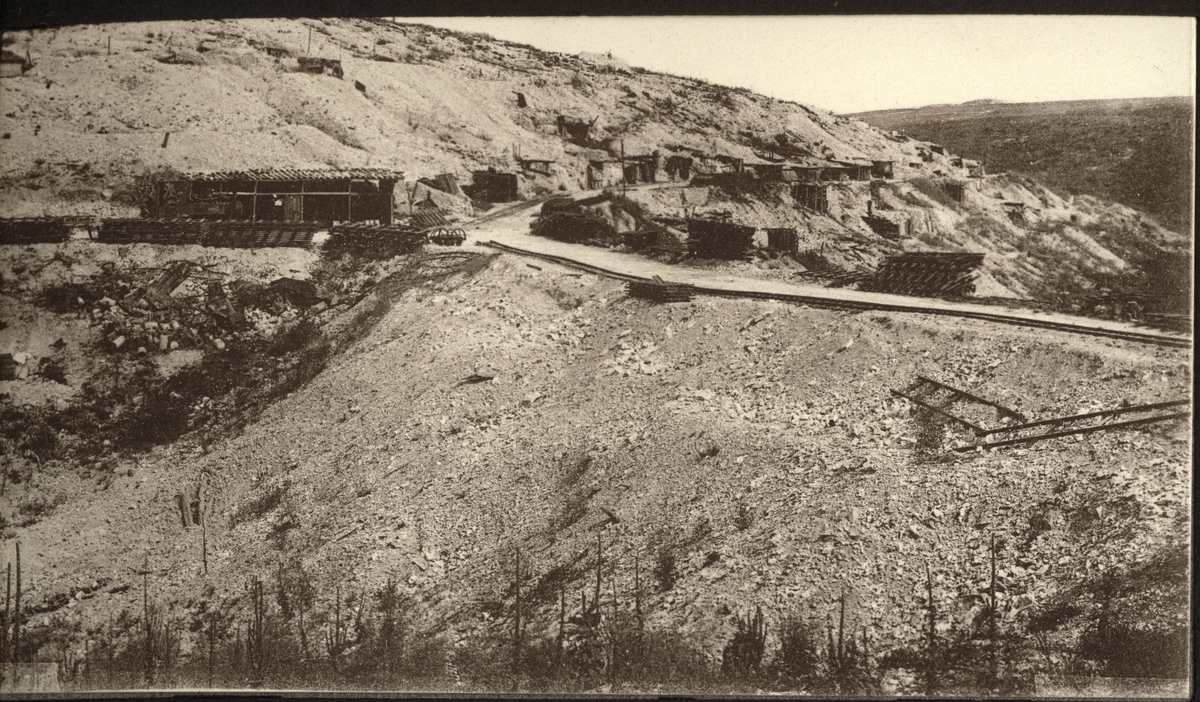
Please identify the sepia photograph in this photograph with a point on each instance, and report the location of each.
(803, 355)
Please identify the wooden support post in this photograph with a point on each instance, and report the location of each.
(623, 168)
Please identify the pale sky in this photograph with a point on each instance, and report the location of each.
(858, 63)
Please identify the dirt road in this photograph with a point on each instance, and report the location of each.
(511, 228)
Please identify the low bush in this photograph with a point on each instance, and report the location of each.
(797, 658)
(665, 569)
(742, 656)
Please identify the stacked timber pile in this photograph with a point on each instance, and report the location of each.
(926, 274)
(259, 234)
(377, 241)
(152, 231)
(709, 239)
(428, 218)
(34, 230)
(233, 234)
(661, 291)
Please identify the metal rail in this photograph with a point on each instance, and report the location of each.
(913, 393)
(1006, 411)
(978, 430)
(1089, 415)
(1069, 432)
(858, 305)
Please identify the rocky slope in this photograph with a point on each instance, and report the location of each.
(754, 444)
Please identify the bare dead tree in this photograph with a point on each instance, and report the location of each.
(4, 625)
(562, 621)
(17, 613)
(516, 642)
(147, 624)
(929, 671)
(212, 637)
(256, 635)
(335, 641)
(992, 612)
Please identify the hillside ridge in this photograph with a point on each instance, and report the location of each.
(416, 467)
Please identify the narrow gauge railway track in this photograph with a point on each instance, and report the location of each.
(860, 305)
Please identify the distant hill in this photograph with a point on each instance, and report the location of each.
(1136, 152)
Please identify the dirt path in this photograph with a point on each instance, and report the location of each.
(511, 228)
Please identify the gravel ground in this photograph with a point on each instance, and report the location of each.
(671, 417)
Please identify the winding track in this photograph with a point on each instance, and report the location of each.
(830, 302)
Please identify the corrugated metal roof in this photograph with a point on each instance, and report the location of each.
(298, 174)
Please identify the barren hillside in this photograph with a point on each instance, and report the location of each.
(1136, 152)
(386, 435)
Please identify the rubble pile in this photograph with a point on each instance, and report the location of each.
(372, 241)
(23, 366)
(577, 228)
(187, 306)
(655, 237)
